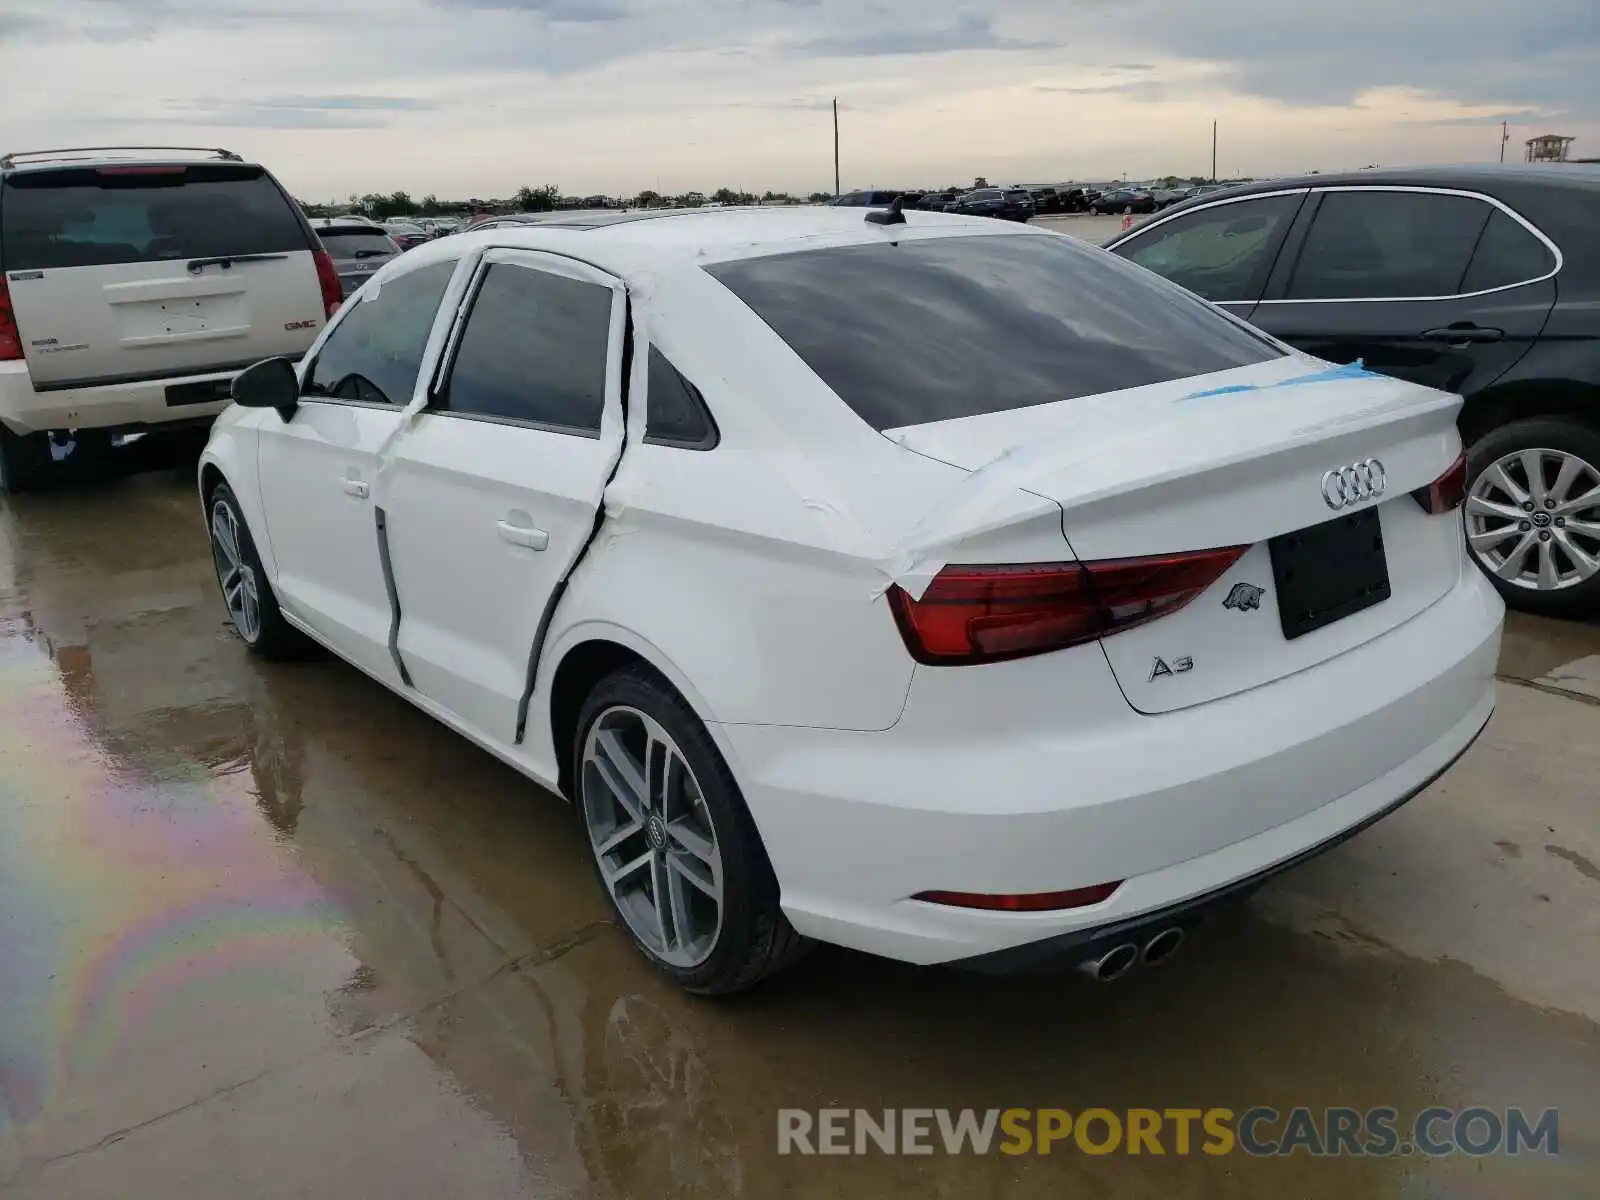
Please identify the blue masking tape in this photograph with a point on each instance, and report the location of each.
(1355, 370)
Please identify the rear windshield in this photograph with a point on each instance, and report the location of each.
(351, 242)
(88, 217)
(940, 328)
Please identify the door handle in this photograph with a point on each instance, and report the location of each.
(522, 535)
(1464, 334)
(356, 487)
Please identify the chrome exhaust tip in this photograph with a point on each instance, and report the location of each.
(1163, 946)
(1113, 964)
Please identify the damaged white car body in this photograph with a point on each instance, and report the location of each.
(943, 650)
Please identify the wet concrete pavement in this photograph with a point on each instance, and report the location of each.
(268, 931)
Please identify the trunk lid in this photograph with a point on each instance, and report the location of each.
(144, 270)
(1232, 459)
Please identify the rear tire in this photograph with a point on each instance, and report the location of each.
(1545, 520)
(246, 593)
(25, 460)
(660, 810)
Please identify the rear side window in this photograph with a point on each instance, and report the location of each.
(356, 243)
(1507, 254)
(1388, 245)
(938, 328)
(1221, 253)
(676, 413)
(374, 353)
(93, 217)
(534, 349)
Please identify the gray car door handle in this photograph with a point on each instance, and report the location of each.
(356, 487)
(1464, 334)
(522, 535)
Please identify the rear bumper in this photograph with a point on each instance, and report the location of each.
(1044, 780)
(121, 406)
(1079, 945)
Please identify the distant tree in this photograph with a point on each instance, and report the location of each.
(431, 206)
(647, 199)
(540, 199)
(820, 197)
(725, 196)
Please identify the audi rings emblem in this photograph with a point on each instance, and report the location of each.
(1360, 481)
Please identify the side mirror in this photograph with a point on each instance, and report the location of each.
(270, 383)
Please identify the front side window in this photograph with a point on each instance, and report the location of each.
(375, 351)
(940, 328)
(1222, 253)
(1373, 245)
(534, 350)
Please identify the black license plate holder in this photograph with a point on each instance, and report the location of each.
(1327, 572)
(207, 391)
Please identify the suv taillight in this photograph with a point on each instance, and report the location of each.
(10, 337)
(977, 614)
(1446, 492)
(328, 278)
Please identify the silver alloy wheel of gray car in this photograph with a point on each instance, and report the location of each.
(1533, 519)
(652, 836)
(239, 585)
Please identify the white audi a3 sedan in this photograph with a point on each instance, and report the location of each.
(948, 590)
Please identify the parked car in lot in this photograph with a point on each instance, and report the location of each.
(1478, 280)
(1167, 197)
(937, 201)
(357, 246)
(136, 284)
(1123, 200)
(870, 198)
(1013, 204)
(406, 234)
(1072, 199)
(1045, 200)
(1037, 565)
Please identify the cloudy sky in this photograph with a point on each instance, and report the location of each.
(475, 97)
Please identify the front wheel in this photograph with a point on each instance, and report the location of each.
(1533, 514)
(252, 606)
(672, 842)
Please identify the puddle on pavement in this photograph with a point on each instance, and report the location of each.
(272, 925)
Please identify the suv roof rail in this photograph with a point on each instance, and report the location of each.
(89, 153)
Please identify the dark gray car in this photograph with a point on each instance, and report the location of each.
(357, 247)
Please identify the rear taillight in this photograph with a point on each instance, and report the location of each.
(328, 278)
(1446, 492)
(975, 614)
(10, 337)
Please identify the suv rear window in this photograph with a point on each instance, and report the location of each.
(352, 241)
(939, 328)
(94, 217)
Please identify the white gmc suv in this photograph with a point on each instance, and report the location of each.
(134, 284)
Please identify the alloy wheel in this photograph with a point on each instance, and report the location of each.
(239, 584)
(653, 836)
(1533, 519)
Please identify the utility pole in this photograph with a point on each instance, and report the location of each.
(1505, 136)
(1213, 152)
(836, 188)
